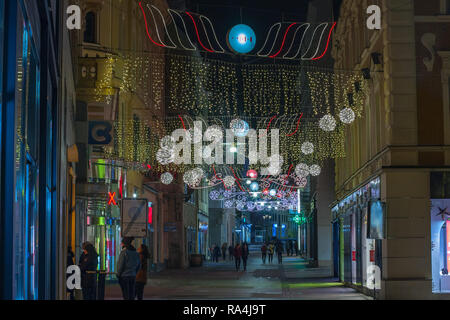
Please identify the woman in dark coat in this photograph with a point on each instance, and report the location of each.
(245, 255)
(231, 252)
(141, 277)
(237, 256)
(88, 267)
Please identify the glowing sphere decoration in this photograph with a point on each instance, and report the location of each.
(314, 170)
(347, 115)
(229, 181)
(252, 174)
(166, 178)
(165, 156)
(307, 148)
(327, 123)
(241, 39)
(254, 186)
(240, 127)
(302, 170)
(273, 192)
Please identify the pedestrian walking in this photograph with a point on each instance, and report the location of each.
(141, 277)
(291, 247)
(245, 254)
(88, 267)
(224, 251)
(237, 256)
(70, 262)
(127, 268)
(280, 252)
(270, 250)
(263, 253)
(296, 248)
(216, 253)
(230, 252)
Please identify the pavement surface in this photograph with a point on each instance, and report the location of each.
(291, 280)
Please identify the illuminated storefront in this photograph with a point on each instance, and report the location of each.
(356, 246)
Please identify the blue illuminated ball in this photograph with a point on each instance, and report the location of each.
(254, 186)
(241, 39)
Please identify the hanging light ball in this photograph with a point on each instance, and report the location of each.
(228, 204)
(167, 142)
(191, 178)
(198, 173)
(307, 148)
(302, 170)
(166, 178)
(314, 170)
(327, 123)
(212, 132)
(254, 186)
(239, 127)
(229, 181)
(252, 174)
(165, 156)
(214, 195)
(273, 192)
(347, 115)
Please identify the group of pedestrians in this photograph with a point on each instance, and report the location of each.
(238, 253)
(131, 270)
(269, 249)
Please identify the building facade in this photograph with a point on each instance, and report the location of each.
(398, 152)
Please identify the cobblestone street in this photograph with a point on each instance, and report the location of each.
(290, 280)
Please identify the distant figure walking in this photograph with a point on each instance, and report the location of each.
(231, 252)
(216, 253)
(88, 266)
(270, 250)
(141, 277)
(224, 251)
(127, 268)
(296, 248)
(245, 254)
(237, 256)
(280, 252)
(263, 253)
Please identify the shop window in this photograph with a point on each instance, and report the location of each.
(90, 33)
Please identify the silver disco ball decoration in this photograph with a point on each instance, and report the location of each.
(347, 115)
(327, 123)
(198, 173)
(307, 148)
(302, 170)
(301, 182)
(314, 170)
(166, 178)
(229, 181)
(191, 178)
(167, 142)
(165, 156)
(213, 131)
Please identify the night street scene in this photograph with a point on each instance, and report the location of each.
(224, 157)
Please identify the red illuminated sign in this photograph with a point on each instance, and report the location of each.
(448, 242)
(353, 255)
(372, 255)
(150, 215)
(111, 199)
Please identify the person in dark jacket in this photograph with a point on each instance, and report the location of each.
(237, 256)
(263, 253)
(280, 252)
(245, 254)
(70, 262)
(141, 277)
(296, 248)
(224, 251)
(127, 268)
(88, 267)
(216, 253)
(231, 252)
